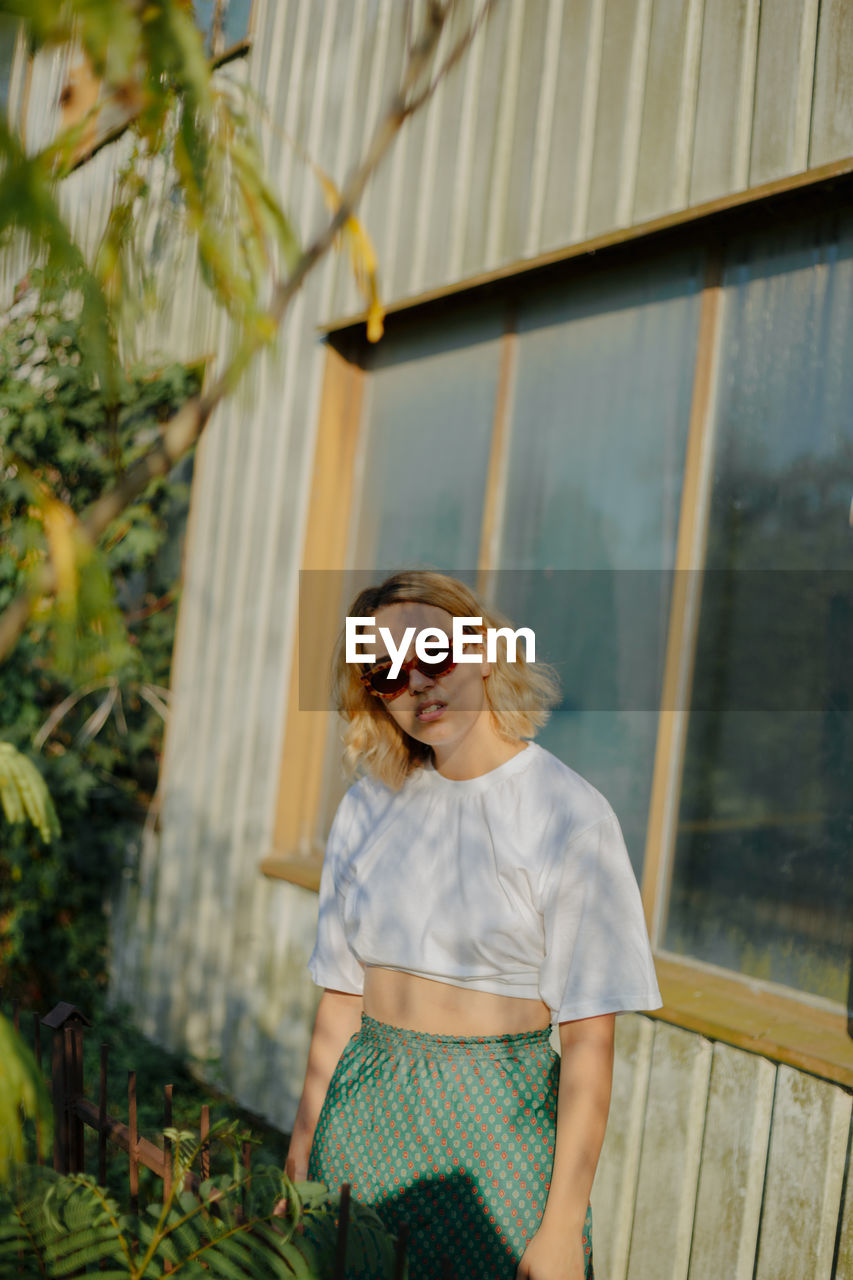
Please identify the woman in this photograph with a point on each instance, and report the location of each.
(475, 891)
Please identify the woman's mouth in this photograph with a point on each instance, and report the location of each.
(431, 710)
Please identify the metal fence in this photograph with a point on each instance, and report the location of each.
(73, 1111)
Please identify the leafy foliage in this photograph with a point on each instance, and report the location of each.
(23, 1099)
(193, 165)
(87, 682)
(23, 793)
(53, 1225)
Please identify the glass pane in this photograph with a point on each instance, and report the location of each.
(762, 871)
(430, 407)
(602, 404)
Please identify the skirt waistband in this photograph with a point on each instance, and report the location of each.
(386, 1035)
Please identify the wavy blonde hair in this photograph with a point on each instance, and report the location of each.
(520, 695)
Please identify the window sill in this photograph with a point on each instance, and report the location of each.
(304, 871)
(755, 1017)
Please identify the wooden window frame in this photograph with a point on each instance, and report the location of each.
(762, 1017)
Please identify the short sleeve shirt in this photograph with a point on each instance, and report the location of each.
(516, 882)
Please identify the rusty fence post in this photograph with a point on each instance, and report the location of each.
(66, 1076)
(343, 1231)
(102, 1114)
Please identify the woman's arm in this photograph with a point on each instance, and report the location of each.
(338, 1018)
(586, 1075)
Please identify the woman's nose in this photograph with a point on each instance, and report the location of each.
(418, 681)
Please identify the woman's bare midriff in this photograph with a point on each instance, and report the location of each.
(439, 1009)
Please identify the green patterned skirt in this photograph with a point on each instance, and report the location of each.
(453, 1135)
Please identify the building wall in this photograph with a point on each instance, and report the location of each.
(568, 119)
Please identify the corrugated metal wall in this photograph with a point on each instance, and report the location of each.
(567, 119)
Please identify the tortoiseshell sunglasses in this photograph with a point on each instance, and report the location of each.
(376, 678)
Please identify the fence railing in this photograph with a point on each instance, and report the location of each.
(73, 1112)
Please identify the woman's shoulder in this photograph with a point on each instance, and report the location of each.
(560, 787)
(364, 802)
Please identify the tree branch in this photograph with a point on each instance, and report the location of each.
(182, 431)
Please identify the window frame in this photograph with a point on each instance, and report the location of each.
(792, 1027)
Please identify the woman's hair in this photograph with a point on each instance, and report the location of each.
(519, 695)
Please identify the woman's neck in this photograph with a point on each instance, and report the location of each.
(471, 759)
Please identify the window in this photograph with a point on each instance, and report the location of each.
(762, 873)
(650, 461)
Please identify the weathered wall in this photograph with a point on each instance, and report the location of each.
(567, 119)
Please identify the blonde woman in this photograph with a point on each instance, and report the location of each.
(476, 891)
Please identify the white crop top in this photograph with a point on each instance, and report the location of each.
(517, 882)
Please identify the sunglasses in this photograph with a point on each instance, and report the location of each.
(377, 679)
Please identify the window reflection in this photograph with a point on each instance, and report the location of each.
(599, 431)
(762, 871)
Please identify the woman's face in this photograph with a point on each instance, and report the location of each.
(440, 711)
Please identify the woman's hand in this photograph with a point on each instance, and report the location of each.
(549, 1257)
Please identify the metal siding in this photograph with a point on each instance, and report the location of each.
(783, 88)
(551, 60)
(617, 125)
(427, 198)
(510, 77)
(483, 158)
(440, 209)
(832, 112)
(378, 211)
(536, 142)
(529, 68)
(666, 138)
(726, 86)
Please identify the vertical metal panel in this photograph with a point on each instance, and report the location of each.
(410, 161)
(536, 65)
(725, 95)
(502, 134)
(366, 107)
(669, 108)
(349, 65)
(472, 71)
(430, 193)
(805, 1171)
(270, 25)
(264, 667)
(379, 207)
(783, 88)
(615, 1186)
(669, 1164)
(734, 1156)
(619, 112)
(832, 113)
(483, 158)
(535, 204)
(578, 60)
(442, 184)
